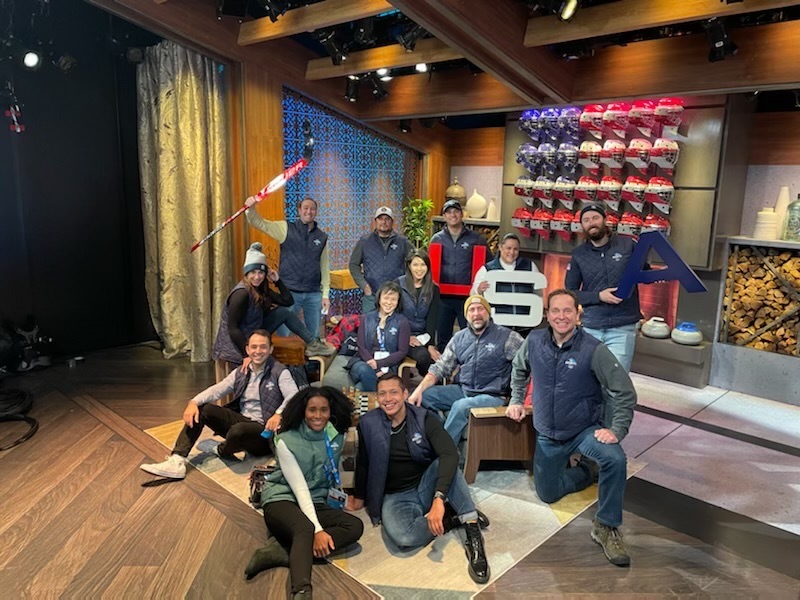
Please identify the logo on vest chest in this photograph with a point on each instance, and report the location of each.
(393, 246)
(417, 438)
(270, 385)
(393, 330)
(317, 242)
(571, 363)
(616, 257)
(334, 445)
(489, 347)
(465, 245)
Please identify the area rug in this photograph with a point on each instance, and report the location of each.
(520, 522)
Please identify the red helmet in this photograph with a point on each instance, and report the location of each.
(576, 223)
(660, 192)
(654, 222)
(592, 119)
(564, 191)
(612, 221)
(609, 192)
(665, 154)
(630, 225)
(642, 115)
(521, 220)
(613, 154)
(540, 222)
(638, 154)
(561, 223)
(543, 190)
(633, 192)
(524, 188)
(669, 112)
(586, 190)
(589, 156)
(616, 117)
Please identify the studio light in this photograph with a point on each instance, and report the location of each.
(568, 9)
(65, 63)
(363, 34)
(382, 72)
(421, 67)
(351, 93)
(404, 126)
(31, 59)
(409, 38)
(721, 43)
(327, 37)
(378, 91)
(274, 8)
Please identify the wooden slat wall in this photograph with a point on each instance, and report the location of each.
(774, 140)
(477, 147)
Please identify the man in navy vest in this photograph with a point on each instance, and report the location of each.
(572, 373)
(378, 257)
(457, 242)
(594, 272)
(260, 394)
(407, 475)
(482, 353)
(305, 260)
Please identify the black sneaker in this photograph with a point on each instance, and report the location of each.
(478, 567)
(613, 545)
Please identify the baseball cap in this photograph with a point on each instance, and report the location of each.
(384, 210)
(452, 204)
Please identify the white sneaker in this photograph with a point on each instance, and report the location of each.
(174, 467)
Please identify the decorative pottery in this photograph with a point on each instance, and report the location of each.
(766, 225)
(493, 212)
(456, 192)
(781, 204)
(687, 334)
(656, 327)
(477, 205)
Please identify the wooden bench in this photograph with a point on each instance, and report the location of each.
(493, 436)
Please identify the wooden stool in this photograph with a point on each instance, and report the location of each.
(291, 351)
(402, 371)
(493, 436)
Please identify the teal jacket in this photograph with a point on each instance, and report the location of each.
(308, 447)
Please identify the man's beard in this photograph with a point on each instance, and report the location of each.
(598, 235)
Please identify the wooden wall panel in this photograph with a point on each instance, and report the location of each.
(773, 139)
(477, 147)
(436, 178)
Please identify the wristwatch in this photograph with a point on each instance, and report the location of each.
(440, 495)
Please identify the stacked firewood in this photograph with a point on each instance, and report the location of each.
(761, 302)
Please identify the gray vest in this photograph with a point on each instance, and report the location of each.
(484, 368)
(224, 348)
(300, 256)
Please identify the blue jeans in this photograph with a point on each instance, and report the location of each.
(311, 304)
(452, 398)
(362, 373)
(284, 317)
(620, 340)
(403, 513)
(554, 479)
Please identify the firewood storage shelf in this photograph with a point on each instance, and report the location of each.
(761, 295)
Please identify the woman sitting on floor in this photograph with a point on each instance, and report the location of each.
(303, 502)
(421, 308)
(383, 339)
(249, 307)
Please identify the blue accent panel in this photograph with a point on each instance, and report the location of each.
(353, 172)
(676, 267)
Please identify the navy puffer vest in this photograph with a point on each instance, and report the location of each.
(457, 256)
(484, 367)
(382, 265)
(224, 348)
(300, 255)
(268, 390)
(522, 264)
(415, 308)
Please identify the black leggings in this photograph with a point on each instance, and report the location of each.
(422, 356)
(296, 533)
(240, 433)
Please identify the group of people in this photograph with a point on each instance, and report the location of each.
(575, 371)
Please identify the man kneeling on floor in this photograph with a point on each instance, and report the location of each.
(407, 472)
(259, 395)
(571, 372)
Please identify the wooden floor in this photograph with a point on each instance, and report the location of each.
(78, 519)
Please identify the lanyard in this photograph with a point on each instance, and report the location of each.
(330, 469)
(381, 333)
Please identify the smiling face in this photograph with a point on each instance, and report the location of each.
(594, 225)
(255, 277)
(307, 211)
(383, 224)
(258, 349)
(388, 302)
(418, 268)
(477, 316)
(509, 251)
(453, 217)
(562, 315)
(392, 399)
(318, 413)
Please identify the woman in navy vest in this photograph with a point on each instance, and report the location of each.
(383, 339)
(421, 307)
(249, 307)
(301, 501)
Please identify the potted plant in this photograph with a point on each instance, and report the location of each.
(416, 226)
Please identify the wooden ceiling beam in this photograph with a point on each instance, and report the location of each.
(447, 93)
(429, 50)
(310, 18)
(768, 58)
(490, 35)
(632, 15)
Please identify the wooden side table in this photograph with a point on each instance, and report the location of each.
(493, 436)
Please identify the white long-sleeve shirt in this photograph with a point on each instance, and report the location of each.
(480, 276)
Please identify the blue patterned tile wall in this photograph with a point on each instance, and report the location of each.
(353, 172)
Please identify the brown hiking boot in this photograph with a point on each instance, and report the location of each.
(613, 545)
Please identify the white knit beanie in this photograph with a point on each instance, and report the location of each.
(254, 259)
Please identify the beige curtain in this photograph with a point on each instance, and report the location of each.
(183, 162)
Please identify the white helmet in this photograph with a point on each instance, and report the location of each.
(642, 116)
(665, 154)
(586, 189)
(638, 154)
(609, 192)
(592, 119)
(669, 112)
(616, 117)
(660, 192)
(633, 192)
(564, 191)
(613, 154)
(543, 190)
(524, 188)
(589, 156)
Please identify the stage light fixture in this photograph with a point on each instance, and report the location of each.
(327, 37)
(31, 59)
(274, 8)
(364, 33)
(568, 10)
(351, 92)
(382, 72)
(378, 91)
(404, 126)
(65, 63)
(135, 55)
(721, 44)
(409, 38)
(421, 67)
(386, 78)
